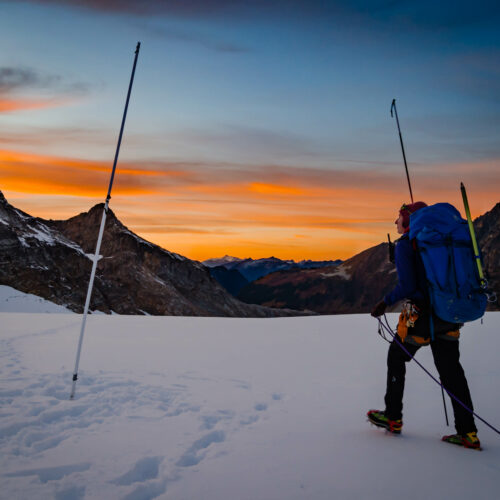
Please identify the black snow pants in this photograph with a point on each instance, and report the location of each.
(447, 360)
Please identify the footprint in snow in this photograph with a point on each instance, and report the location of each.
(72, 493)
(210, 421)
(46, 474)
(194, 454)
(249, 420)
(143, 470)
(148, 491)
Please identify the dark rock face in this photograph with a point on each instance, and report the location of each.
(28, 251)
(487, 229)
(231, 279)
(50, 259)
(360, 282)
(353, 286)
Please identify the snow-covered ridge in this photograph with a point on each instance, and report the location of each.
(48, 236)
(33, 228)
(340, 272)
(221, 261)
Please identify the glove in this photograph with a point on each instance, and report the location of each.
(379, 309)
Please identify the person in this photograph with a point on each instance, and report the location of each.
(414, 332)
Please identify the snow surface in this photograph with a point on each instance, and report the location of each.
(238, 409)
(12, 300)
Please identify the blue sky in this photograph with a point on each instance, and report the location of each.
(293, 96)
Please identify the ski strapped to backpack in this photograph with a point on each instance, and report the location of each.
(456, 286)
(473, 236)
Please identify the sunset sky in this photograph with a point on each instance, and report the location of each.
(254, 128)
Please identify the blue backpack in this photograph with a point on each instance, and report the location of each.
(444, 243)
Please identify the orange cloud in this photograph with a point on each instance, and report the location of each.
(274, 189)
(202, 211)
(42, 174)
(12, 105)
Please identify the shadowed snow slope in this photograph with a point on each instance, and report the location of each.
(12, 300)
(223, 408)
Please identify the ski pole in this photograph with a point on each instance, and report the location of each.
(473, 235)
(101, 229)
(444, 405)
(393, 107)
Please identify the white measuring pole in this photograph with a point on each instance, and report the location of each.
(101, 230)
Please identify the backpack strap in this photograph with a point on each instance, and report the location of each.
(431, 320)
(431, 306)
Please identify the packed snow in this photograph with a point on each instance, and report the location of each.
(241, 409)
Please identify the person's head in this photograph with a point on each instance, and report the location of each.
(403, 221)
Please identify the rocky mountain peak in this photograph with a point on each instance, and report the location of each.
(51, 259)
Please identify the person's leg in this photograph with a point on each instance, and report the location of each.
(396, 371)
(447, 360)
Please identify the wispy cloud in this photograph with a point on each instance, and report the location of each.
(195, 38)
(14, 136)
(21, 78)
(425, 13)
(14, 78)
(476, 71)
(248, 143)
(148, 8)
(17, 85)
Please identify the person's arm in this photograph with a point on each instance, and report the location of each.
(406, 269)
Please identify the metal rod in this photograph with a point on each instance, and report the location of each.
(87, 301)
(101, 230)
(444, 405)
(393, 107)
(123, 121)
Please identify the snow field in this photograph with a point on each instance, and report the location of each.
(12, 300)
(212, 408)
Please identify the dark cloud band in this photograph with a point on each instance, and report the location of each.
(15, 79)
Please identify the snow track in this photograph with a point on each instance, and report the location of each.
(216, 408)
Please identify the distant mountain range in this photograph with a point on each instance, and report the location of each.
(52, 259)
(357, 284)
(234, 273)
(252, 269)
(351, 287)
